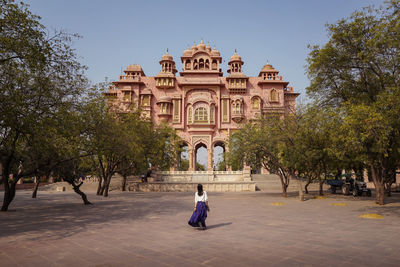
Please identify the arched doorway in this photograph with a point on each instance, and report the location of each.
(201, 157)
(219, 163)
(183, 158)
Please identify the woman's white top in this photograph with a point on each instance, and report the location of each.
(202, 198)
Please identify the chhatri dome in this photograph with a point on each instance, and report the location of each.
(167, 56)
(236, 57)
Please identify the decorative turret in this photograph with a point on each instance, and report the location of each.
(201, 58)
(166, 78)
(269, 73)
(237, 81)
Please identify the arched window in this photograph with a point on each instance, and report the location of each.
(201, 64)
(256, 103)
(237, 107)
(190, 115)
(195, 64)
(187, 65)
(274, 95)
(212, 116)
(207, 64)
(200, 115)
(214, 64)
(146, 100)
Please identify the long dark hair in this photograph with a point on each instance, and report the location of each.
(200, 189)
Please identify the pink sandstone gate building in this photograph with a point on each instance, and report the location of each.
(202, 104)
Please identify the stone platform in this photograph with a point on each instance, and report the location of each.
(202, 176)
(186, 181)
(191, 186)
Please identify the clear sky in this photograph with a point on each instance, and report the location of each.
(122, 32)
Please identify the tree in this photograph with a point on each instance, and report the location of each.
(39, 75)
(357, 71)
(263, 142)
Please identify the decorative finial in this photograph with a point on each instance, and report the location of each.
(201, 41)
(235, 52)
(194, 42)
(167, 51)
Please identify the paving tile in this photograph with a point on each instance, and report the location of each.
(150, 229)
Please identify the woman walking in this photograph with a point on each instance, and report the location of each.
(199, 215)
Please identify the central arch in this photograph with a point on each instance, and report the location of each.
(200, 157)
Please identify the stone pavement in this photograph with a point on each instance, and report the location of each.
(244, 229)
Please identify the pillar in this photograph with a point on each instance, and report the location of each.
(210, 159)
(191, 159)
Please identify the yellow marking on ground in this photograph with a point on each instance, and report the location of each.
(320, 197)
(339, 204)
(371, 216)
(277, 204)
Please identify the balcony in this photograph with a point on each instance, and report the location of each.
(238, 116)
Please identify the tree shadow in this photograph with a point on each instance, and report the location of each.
(60, 215)
(218, 225)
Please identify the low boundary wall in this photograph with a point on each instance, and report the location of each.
(191, 187)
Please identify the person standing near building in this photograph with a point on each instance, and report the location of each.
(198, 218)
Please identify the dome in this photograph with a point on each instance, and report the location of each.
(134, 67)
(187, 52)
(236, 57)
(167, 56)
(268, 67)
(215, 52)
(201, 46)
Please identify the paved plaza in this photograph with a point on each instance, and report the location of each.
(244, 229)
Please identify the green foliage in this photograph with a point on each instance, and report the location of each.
(40, 80)
(358, 72)
(200, 167)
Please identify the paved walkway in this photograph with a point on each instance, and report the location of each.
(150, 229)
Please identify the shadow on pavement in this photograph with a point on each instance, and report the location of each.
(61, 215)
(218, 225)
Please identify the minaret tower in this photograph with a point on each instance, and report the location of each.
(166, 78)
(237, 80)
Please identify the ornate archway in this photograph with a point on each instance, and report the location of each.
(200, 157)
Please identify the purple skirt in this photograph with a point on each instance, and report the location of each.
(199, 215)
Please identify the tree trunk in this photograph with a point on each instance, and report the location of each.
(107, 186)
(103, 186)
(379, 184)
(79, 192)
(9, 194)
(284, 186)
(99, 186)
(306, 186)
(35, 188)
(301, 194)
(124, 183)
(321, 187)
(284, 190)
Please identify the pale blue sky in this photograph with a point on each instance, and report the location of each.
(120, 33)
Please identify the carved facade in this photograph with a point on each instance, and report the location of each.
(201, 104)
